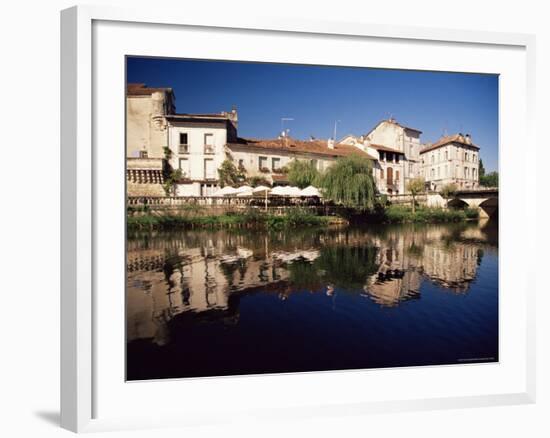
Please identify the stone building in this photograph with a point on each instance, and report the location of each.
(452, 159)
(396, 149)
(146, 137)
(269, 158)
(146, 130)
(393, 135)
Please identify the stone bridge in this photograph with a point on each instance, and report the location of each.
(485, 199)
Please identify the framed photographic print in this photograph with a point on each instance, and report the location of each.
(333, 218)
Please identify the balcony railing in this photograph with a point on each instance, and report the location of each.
(208, 149)
(183, 149)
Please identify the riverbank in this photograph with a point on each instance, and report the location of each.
(293, 218)
(248, 219)
(404, 214)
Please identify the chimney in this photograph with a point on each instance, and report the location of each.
(468, 139)
(330, 143)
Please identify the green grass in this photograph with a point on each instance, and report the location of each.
(399, 214)
(248, 219)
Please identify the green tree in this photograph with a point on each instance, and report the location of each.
(415, 186)
(171, 175)
(481, 168)
(171, 180)
(350, 182)
(229, 174)
(489, 180)
(447, 191)
(255, 181)
(302, 173)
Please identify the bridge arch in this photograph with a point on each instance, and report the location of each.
(457, 203)
(489, 208)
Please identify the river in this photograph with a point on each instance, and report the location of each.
(228, 302)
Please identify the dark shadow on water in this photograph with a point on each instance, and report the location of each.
(51, 417)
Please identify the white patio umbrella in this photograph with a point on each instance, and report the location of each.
(278, 191)
(244, 189)
(262, 191)
(226, 191)
(310, 191)
(292, 191)
(244, 193)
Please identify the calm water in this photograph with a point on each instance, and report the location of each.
(205, 303)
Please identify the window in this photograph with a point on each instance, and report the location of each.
(382, 156)
(313, 163)
(262, 163)
(183, 145)
(411, 169)
(209, 170)
(397, 175)
(446, 154)
(184, 166)
(397, 158)
(411, 149)
(208, 143)
(438, 173)
(241, 164)
(143, 154)
(433, 158)
(465, 172)
(275, 163)
(474, 170)
(389, 156)
(446, 171)
(381, 173)
(433, 172)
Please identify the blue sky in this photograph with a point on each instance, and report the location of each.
(316, 96)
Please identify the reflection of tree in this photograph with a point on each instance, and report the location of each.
(347, 267)
(304, 275)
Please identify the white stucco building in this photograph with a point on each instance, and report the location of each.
(452, 159)
(198, 144)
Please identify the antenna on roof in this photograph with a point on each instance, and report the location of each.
(335, 125)
(283, 120)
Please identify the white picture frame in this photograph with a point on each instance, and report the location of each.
(80, 311)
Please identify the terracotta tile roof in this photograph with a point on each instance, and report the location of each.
(443, 141)
(143, 90)
(318, 147)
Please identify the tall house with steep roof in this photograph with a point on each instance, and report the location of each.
(452, 159)
(396, 149)
(146, 108)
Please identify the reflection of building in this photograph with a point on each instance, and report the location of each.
(405, 259)
(198, 272)
(452, 159)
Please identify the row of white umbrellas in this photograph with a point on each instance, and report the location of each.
(245, 191)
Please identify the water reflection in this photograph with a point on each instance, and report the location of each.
(193, 277)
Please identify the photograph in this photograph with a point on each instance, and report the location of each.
(291, 218)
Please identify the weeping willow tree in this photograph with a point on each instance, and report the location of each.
(350, 182)
(302, 173)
